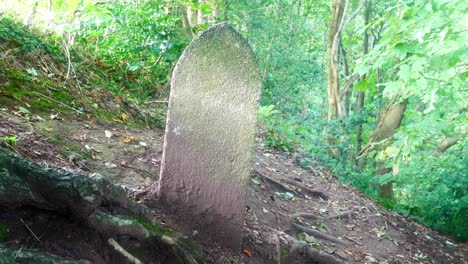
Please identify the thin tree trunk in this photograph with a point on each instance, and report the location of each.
(360, 95)
(200, 19)
(346, 97)
(389, 122)
(31, 16)
(339, 8)
(215, 12)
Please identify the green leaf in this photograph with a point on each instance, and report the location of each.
(23, 110)
(255, 180)
(404, 72)
(286, 195)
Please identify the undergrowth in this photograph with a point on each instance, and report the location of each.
(35, 75)
(431, 188)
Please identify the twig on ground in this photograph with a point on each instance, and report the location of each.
(58, 102)
(354, 240)
(34, 235)
(122, 251)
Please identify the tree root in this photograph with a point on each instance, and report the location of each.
(93, 200)
(316, 255)
(318, 234)
(282, 187)
(343, 215)
(275, 183)
(307, 216)
(306, 190)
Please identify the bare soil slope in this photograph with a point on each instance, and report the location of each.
(286, 204)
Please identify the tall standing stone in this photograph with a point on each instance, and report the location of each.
(210, 133)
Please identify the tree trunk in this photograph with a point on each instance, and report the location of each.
(360, 95)
(335, 107)
(200, 19)
(390, 120)
(30, 19)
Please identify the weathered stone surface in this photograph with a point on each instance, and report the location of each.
(210, 133)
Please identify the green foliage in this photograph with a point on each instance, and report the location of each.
(418, 55)
(4, 233)
(137, 42)
(19, 36)
(9, 140)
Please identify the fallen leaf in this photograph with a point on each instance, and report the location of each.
(255, 180)
(128, 138)
(247, 253)
(110, 165)
(264, 210)
(88, 122)
(108, 133)
(124, 117)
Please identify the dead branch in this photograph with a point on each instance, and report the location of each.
(29, 229)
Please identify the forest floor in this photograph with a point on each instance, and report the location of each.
(355, 229)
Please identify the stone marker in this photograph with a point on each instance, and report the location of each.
(210, 132)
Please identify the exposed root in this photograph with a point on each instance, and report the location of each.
(318, 234)
(313, 217)
(275, 183)
(91, 199)
(343, 215)
(306, 190)
(301, 189)
(307, 216)
(317, 256)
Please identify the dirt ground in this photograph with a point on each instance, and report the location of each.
(280, 196)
